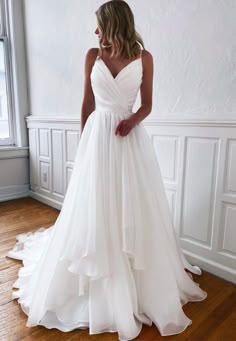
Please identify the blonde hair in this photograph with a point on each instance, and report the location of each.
(116, 23)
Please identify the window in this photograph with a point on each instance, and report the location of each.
(6, 115)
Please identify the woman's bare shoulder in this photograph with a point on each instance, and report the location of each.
(92, 52)
(91, 55)
(147, 55)
(147, 60)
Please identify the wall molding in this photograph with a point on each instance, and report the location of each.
(147, 121)
(211, 266)
(13, 152)
(45, 199)
(191, 122)
(14, 192)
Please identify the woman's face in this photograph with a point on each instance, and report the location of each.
(99, 33)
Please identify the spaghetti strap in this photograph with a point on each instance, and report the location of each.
(141, 53)
(97, 54)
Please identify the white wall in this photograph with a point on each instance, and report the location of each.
(193, 44)
(58, 36)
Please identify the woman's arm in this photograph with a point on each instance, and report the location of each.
(88, 104)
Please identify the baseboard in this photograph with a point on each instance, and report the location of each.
(212, 267)
(46, 200)
(14, 192)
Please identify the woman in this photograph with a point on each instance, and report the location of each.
(111, 261)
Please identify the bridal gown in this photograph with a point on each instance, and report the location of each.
(111, 261)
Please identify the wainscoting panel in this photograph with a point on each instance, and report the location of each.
(44, 143)
(57, 150)
(198, 164)
(230, 178)
(167, 145)
(33, 158)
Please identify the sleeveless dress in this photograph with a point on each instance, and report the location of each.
(112, 260)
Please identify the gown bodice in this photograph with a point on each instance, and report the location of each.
(116, 94)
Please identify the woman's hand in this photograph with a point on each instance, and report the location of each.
(124, 126)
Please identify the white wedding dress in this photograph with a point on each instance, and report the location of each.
(112, 260)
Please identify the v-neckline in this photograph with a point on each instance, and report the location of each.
(114, 78)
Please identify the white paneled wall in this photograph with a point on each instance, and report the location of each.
(52, 150)
(198, 164)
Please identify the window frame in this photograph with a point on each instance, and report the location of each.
(5, 38)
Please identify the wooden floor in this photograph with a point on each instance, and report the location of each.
(213, 319)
